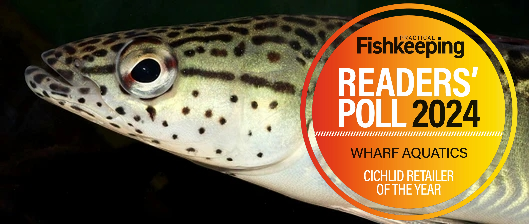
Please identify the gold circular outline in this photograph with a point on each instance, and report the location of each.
(427, 8)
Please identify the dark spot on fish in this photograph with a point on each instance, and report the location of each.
(81, 100)
(120, 110)
(175, 136)
(195, 93)
(45, 93)
(38, 78)
(189, 53)
(114, 125)
(200, 49)
(92, 41)
(88, 58)
(218, 52)
(89, 48)
(273, 57)
(173, 34)
(294, 45)
(151, 111)
(117, 47)
(84, 90)
(211, 29)
(139, 131)
(103, 90)
(261, 39)
(229, 159)
(265, 25)
(208, 74)
(69, 49)
(190, 150)
(68, 60)
(109, 41)
(307, 53)
(262, 82)
(56, 87)
(269, 128)
(32, 84)
(218, 151)
(239, 49)
(100, 53)
(309, 37)
(286, 28)
(273, 105)
(260, 154)
(254, 105)
(208, 113)
(51, 61)
(222, 121)
(191, 30)
(337, 42)
(234, 98)
(185, 110)
(322, 35)
(155, 141)
(99, 104)
(239, 30)
(164, 123)
(201, 130)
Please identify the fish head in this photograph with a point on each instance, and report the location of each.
(149, 89)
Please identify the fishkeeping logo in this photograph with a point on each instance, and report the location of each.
(399, 118)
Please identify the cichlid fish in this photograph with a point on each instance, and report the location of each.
(226, 95)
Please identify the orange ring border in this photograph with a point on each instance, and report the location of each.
(443, 12)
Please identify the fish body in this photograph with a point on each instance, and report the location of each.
(226, 95)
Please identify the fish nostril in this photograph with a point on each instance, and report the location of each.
(77, 63)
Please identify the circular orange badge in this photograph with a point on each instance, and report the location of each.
(409, 112)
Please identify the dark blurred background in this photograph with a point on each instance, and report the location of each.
(56, 167)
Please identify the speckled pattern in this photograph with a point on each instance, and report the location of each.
(228, 93)
(234, 79)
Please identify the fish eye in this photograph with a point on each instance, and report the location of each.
(146, 71)
(146, 67)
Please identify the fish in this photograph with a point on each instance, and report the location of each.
(226, 95)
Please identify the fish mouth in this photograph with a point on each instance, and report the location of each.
(66, 87)
(58, 79)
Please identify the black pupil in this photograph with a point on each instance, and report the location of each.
(147, 70)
